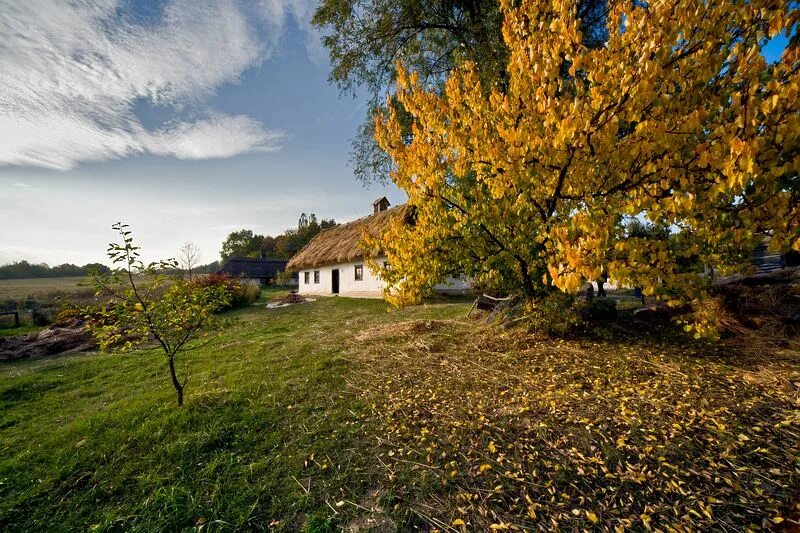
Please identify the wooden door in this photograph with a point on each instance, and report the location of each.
(335, 281)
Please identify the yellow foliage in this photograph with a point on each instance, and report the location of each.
(673, 121)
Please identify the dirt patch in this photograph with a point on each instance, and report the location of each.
(60, 339)
(373, 517)
(400, 330)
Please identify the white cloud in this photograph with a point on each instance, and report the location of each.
(73, 71)
(200, 139)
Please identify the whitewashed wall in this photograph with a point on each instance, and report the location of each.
(369, 287)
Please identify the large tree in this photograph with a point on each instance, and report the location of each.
(242, 243)
(366, 38)
(245, 243)
(678, 119)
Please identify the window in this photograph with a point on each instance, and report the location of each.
(316, 276)
(359, 272)
(306, 277)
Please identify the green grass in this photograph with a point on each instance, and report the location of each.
(271, 436)
(10, 331)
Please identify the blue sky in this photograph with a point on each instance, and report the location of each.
(253, 140)
(187, 119)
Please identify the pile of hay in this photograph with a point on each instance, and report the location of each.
(761, 313)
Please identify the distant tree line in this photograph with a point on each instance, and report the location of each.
(245, 243)
(24, 269)
(242, 243)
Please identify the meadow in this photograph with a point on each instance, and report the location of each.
(342, 414)
(38, 288)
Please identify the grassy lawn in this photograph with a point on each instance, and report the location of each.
(270, 436)
(338, 413)
(10, 330)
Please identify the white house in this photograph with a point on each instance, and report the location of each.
(333, 263)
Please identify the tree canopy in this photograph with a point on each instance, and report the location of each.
(245, 243)
(365, 38)
(678, 120)
(24, 269)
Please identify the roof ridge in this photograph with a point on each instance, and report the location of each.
(340, 243)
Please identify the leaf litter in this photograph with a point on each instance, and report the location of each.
(483, 429)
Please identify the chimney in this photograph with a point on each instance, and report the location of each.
(381, 204)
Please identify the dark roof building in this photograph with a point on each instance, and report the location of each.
(263, 270)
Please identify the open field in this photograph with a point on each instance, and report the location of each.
(339, 414)
(36, 288)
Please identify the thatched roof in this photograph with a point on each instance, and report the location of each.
(341, 244)
(250, 267)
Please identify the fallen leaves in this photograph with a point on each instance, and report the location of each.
(507, 432)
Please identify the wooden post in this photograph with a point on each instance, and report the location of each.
(16, 316)
(473, 307)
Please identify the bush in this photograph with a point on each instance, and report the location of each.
(250, 292)
(41, 317)
(284, 278)
(68, 314)
(243, 292)
(599, 309)
(554, 314)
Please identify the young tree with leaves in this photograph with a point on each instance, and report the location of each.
(145, 307)
(678, 119)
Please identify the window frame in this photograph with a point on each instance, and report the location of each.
(358, 273)
(316, 277)
(307, 277)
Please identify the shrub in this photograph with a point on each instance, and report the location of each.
(41, 317)
(242, 292)
(598, 309)
(251, 291)
(68, 314)
(554, 314)
(284, 278)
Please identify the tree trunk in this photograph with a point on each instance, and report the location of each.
(175, 382)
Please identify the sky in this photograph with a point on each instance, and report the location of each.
(186, 119)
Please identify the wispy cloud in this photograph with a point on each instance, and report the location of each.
(73, 72)
(275, 13)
